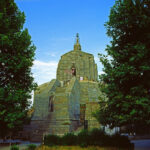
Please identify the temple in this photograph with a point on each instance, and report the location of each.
(66, 104)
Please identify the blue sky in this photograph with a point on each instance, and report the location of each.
(53, 25)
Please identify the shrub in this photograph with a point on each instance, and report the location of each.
(51, 140)
(83, 145)
(120, 141)
(83, 138)
(69, 139)
(31, 147)
(14, 147)
(98, 137)
(95, 137)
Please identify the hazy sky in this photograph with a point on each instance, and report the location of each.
(53, 25)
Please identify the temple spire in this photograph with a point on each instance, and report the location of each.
(77, 45)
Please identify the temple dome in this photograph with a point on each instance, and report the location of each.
(77, 63)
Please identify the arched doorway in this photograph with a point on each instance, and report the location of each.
(51, 104)
(73, 70)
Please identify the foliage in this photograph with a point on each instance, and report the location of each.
(52, 140)
(119, 141)
(69, 139)
(14, 147)
(32, 147)
(85, 138)
(16, 58)
(125, 80)
(98, 137)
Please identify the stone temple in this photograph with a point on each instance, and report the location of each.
(66, 104)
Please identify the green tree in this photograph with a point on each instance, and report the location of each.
(16, 58)
(127, 65)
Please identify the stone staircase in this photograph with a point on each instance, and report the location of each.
(60, 123)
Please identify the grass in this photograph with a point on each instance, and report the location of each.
(21, 147)
(75, 148)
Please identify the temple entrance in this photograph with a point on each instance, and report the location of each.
(51, 104)
(73, 70)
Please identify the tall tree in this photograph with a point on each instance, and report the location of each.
(16, 58)
(127, 65)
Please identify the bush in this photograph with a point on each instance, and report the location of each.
(83, 145)
(120, 141)
(98, 137)
(52, 140)
(14, 147)
(83, 138)
(69, 139)
(31, 147)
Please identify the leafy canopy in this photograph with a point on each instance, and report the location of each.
(127, 65)
(16, 58)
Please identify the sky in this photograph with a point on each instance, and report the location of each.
(53, 25)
